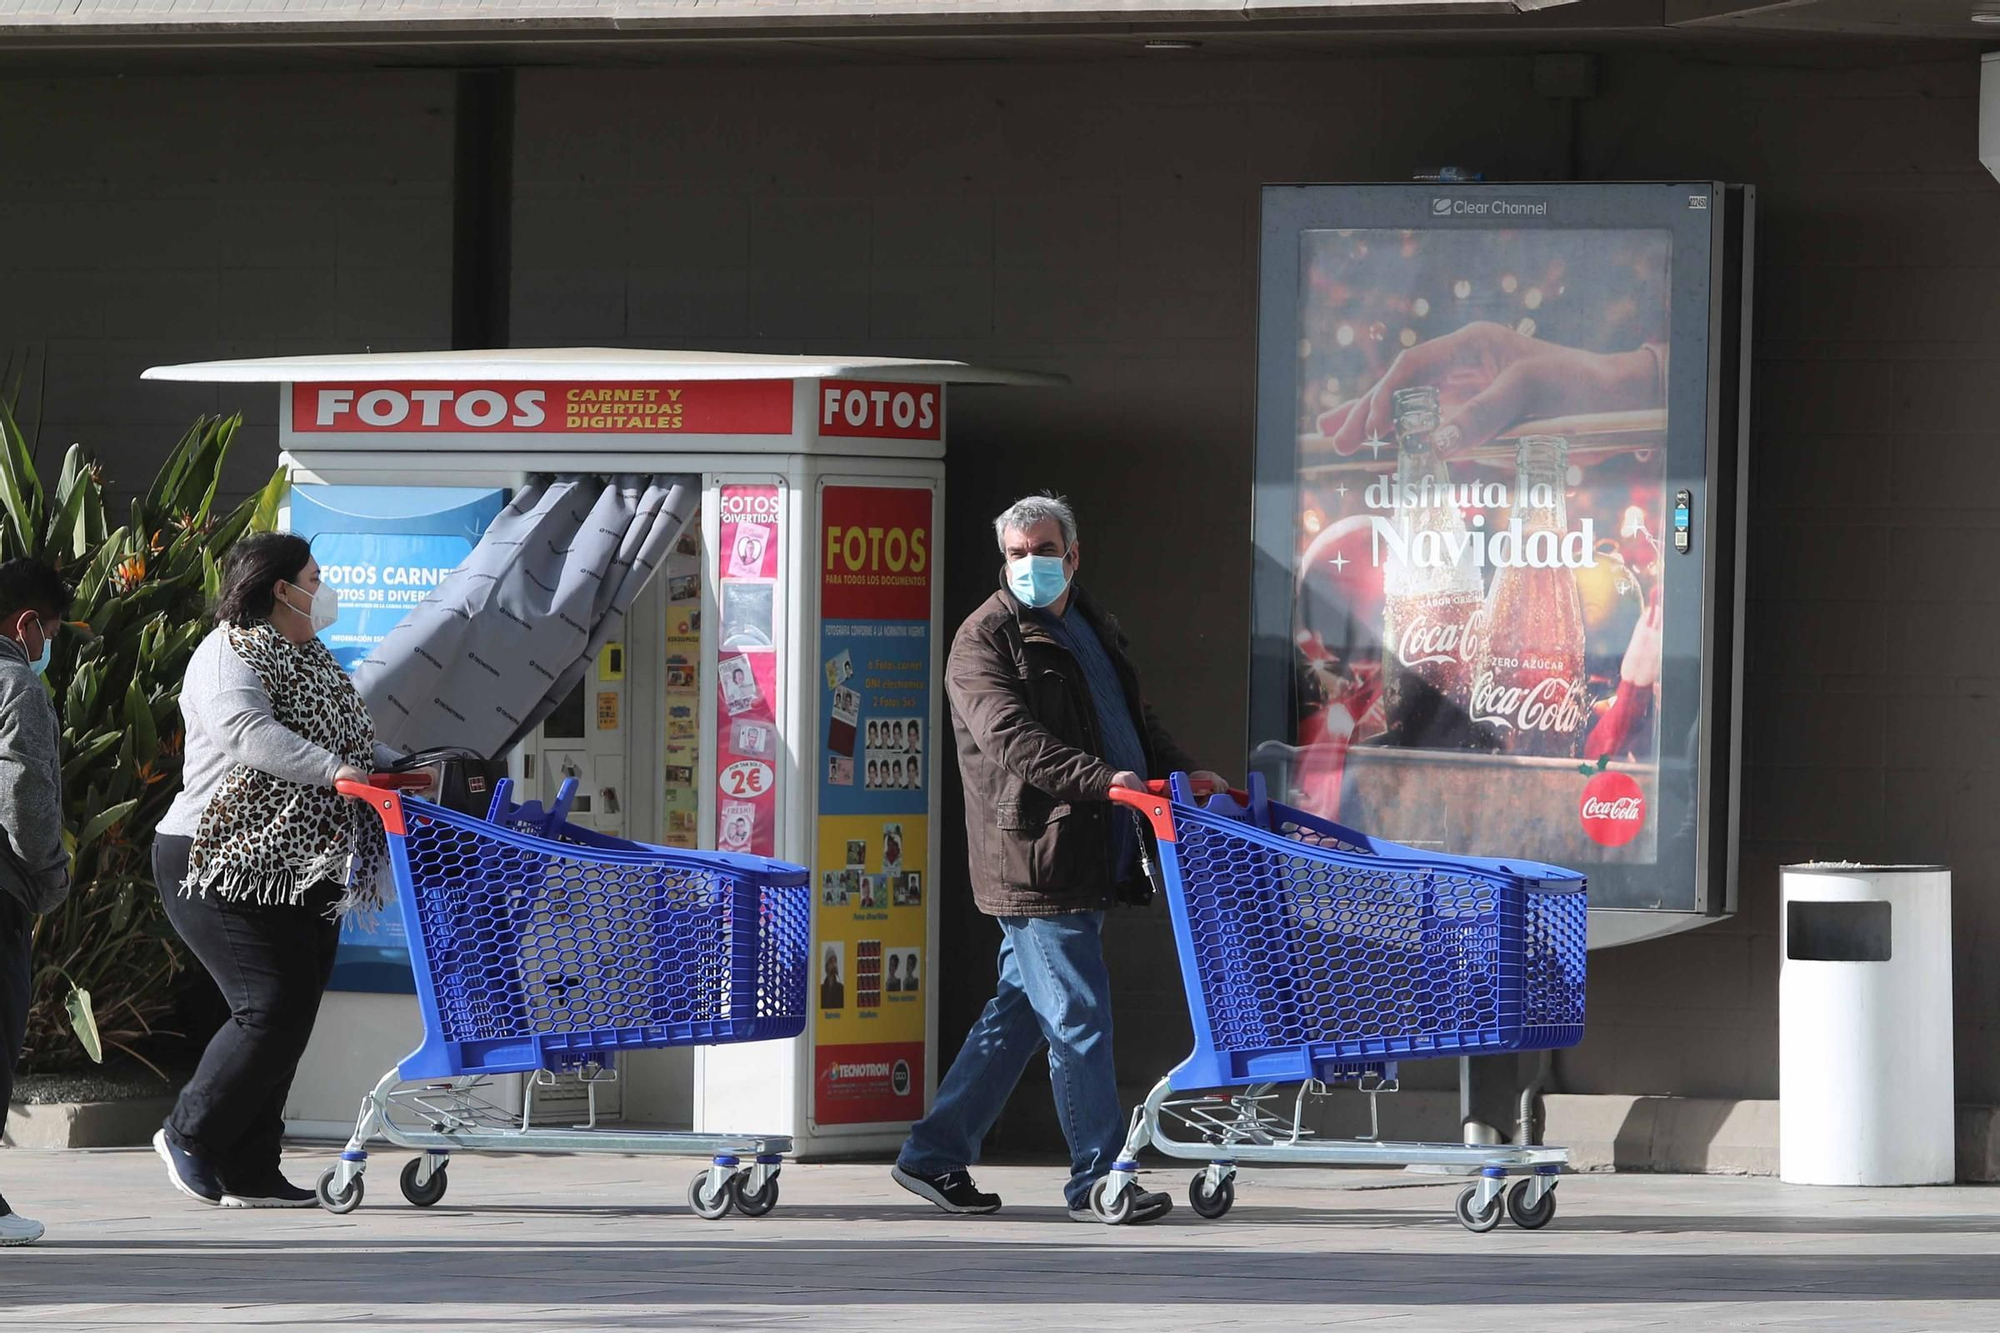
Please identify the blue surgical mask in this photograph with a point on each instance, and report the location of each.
(1038, 580)
(41, 664)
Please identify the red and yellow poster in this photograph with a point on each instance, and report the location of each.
(871, 974)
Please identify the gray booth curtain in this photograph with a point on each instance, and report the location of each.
(510, 633)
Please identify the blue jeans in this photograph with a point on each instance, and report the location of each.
(1054, 989)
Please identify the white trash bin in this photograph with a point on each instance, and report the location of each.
(1865, 1081)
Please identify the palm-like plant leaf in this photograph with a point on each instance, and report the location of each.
(106, 957)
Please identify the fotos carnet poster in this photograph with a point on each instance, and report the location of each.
(1481, 510)
(748, 559)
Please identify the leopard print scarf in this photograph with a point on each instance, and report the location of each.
(263, 839)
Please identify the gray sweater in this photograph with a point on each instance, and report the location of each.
(33, 865)
(229, 723)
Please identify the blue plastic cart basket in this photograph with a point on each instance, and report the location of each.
(541, 950)
(1308, 949)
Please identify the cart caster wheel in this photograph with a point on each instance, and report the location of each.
(1111, 1214)
(428, 1193)
(338, 1203)
(1526, 1218)
(755, 1204)
(706, 1205)
(1207, 1204)
(1478, 1222)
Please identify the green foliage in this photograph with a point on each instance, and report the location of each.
(142, 591)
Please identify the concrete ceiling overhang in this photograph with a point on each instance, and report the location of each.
(584, 31)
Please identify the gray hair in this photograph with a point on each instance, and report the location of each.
(1030, 510)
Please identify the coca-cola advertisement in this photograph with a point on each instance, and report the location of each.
(1480, 493)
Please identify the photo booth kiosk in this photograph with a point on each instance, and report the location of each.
(748, 647)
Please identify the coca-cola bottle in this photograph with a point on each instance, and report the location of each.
(1431, 591)
(1528, 678)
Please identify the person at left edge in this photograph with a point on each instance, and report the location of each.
(258, 857)
(34, 869)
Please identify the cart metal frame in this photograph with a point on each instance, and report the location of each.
(1233, 1127)
(458, 1117)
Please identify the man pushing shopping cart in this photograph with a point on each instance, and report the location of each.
(1311, 954)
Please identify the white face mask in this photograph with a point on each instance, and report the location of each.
(325, 607)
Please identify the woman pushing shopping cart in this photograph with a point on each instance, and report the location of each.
(1313, 955)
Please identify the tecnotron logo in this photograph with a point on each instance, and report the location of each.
(1444, 206)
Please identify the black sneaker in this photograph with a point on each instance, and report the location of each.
(270, 1191)
(1147, 1206)
(189, 1174)
(952, 1191)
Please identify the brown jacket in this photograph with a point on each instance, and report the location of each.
(1036, 805)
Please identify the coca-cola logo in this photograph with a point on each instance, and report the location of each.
(1552, 703)
(1425, 640)
(1612, 809)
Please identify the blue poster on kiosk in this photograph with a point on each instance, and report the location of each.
(384, 549)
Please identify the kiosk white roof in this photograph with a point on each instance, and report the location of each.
(526, 364)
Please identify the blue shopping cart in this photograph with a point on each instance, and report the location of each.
(1315, 955)
(542, 947)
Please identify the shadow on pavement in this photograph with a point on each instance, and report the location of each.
(688, 1263)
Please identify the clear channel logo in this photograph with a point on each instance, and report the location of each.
(1448, 206)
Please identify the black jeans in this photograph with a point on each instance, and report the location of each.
(17, 976)
(271, 963)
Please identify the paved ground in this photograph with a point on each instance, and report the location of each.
(606, 1242)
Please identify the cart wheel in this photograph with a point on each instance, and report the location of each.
(1478, 1222)
(1113, 1214)
(1211, 1206)
(338, 1203)
(1526, 1218)
(705, 1205)
(428, 1193)
(755, 1204)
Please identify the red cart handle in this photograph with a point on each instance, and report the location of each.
(383, 794)
(1153, 803)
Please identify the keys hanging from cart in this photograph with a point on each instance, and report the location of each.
(1314, 954)
(539, 947)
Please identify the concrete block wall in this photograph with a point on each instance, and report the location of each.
(150, 220)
